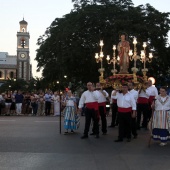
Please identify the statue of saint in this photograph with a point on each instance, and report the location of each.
(123, 50)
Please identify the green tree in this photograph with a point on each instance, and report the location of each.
(69, 44)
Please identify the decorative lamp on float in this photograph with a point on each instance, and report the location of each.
(99, 58)
(133, 56)
(114, 60)
(144, 59)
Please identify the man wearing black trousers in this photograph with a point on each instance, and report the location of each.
(114, 121)
(102, 107)
(126, 110)
(90, 99)
(134, 93)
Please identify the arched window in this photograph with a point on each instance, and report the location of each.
(0, 74)
(22, 42)
(23, 29)
(11, 74)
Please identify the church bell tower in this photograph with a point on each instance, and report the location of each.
(23, 58)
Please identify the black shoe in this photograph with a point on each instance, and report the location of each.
(119, 140)
(72, 131)
(97, 136)
(105, 133)
(84, 137)
(92, 134)
(128, 140)
(65, 133)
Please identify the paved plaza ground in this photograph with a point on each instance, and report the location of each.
(34, 143)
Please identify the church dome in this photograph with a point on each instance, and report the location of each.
(23, 22)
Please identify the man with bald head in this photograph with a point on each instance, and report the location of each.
(90, 99)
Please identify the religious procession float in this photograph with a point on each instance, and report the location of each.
(125, 55)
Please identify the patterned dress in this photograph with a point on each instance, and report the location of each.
(70, 119)
(161, 119)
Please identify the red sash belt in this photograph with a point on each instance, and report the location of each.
(120, 109)
(104, 105)
(92, 105)
(142, 100)
(114, 100)
(151, 98)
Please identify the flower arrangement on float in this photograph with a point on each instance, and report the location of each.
(117, 80)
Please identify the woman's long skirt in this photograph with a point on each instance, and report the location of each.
(70, 119)
(161, 126)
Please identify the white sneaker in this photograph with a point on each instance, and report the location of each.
(162, 144)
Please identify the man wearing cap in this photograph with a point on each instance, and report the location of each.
(90, 99)
(126, 110)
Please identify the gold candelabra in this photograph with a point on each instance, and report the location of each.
(114, 60)
(99, 58)
(144, 59)
(135, 57)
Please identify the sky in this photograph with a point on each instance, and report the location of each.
(39, 14)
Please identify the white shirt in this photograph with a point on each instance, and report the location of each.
(70, 101)
(88, 97)
(55, 98)
(112, 97)
(162, 106)
(125, 101)
(134, 93)
(145, 94)
(102, 98)
(153, 91)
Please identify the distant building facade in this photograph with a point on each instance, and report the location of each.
(17, 66)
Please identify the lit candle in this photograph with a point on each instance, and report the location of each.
(96, 55)
(144, 45)
(114, 47)
(142, 54)
(150, 55)
(101, 43)
(108, 57)
(130, 52)
(101, 54)
(135, 40)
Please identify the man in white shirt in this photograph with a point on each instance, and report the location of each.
(126, 110)
(134, 93)
(114, 121)
(90, 99)
(153, 94)
(102, 106)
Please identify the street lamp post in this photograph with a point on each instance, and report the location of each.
(60, 93)
(58, 82)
